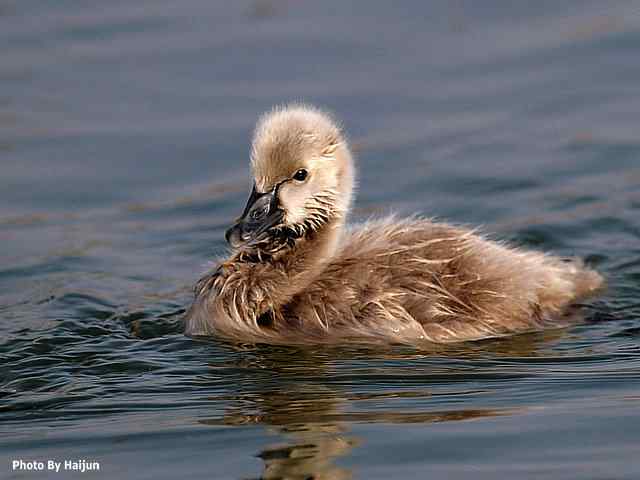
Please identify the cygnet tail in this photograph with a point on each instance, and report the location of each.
(586, 281)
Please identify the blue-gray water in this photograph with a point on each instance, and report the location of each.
(124, 130)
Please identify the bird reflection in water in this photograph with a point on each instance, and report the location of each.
(302, 398)
(306, 416)
(316, 428)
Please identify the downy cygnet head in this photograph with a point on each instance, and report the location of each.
(303, 179)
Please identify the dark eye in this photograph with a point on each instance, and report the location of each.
(301, 175)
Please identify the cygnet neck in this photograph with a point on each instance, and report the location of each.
(306, 260)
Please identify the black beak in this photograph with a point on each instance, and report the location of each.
(260, 214)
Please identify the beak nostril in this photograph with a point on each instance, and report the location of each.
(260, 209)
(260, 212)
